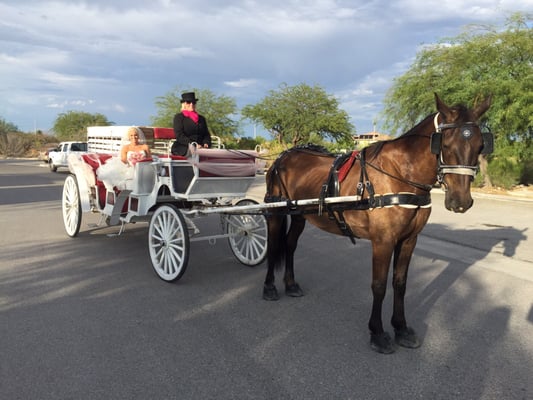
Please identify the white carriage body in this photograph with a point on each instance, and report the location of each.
(166, 191)
(205, 174)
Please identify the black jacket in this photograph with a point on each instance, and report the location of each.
(187, 131)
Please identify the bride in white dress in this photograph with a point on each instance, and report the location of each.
(117, 171)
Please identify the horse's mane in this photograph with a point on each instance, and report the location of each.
(375, 148)
(311, 147)
(414, 130)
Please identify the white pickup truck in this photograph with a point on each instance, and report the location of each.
(59, 157)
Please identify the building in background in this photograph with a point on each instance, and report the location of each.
(363, 140)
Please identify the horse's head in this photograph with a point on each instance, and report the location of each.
(458, 142)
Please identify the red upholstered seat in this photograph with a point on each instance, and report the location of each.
(94, 160)
(164, 134)
(171, 156)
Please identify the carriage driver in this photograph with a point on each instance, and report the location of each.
(189, 126)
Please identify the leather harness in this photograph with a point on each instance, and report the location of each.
(331, 187)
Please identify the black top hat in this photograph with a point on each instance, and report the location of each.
(188, 97)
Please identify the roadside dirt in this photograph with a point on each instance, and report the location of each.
(518, 191)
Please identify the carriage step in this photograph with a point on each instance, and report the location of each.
(117, 208)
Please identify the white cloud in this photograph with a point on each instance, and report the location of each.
(119, 108)
(241, 83)
(122, 54)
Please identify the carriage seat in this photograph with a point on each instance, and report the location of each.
(213, 162)
(226, 163)
(143, 175)
(163, 138)
(96, 159)
(164, 134)
(220, 163)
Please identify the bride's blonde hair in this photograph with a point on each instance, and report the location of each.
(138, 131)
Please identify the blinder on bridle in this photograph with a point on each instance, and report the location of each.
(487, 136)
(466, 133)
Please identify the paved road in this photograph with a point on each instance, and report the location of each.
(86, 318)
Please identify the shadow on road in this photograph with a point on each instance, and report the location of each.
(499, 239)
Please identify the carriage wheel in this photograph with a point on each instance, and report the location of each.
(247, 236)
(168, 242)
(71, 206)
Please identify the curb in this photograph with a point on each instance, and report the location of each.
(526, 197)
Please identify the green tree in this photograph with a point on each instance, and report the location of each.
(480, 61)
(6, 127)
(72, 125)
(11, 143)
(218, 110)
(299, 114)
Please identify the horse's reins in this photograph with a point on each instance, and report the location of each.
(442, 167)
(421, 186)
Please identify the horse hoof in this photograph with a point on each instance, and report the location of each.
(382, 343)
(407, 338)
(270, 293)
(294, 290)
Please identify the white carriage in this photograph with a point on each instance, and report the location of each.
(168, 192)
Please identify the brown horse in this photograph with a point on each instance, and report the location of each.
(393, 179)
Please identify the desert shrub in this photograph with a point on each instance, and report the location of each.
(505, 172)
(14, 144)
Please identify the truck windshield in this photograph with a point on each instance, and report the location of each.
(79, 147)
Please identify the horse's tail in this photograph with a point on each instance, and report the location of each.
(277, 240)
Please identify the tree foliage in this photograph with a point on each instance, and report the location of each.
(478, 62)
(299, 114)
(13, 143)
(217, 109)
(72, 125)
(6, 127)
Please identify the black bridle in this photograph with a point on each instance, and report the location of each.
(466, 132)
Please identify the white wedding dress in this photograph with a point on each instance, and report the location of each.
(115, 174)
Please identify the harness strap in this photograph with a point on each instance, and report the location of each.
(407, 200)
(341, 223)
(459, 170)
(331, 188)
(364, 182)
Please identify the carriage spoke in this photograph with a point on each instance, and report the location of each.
(71, 206)
(169, 244)
(247, 236)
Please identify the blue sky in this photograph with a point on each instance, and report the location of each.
(115, 57)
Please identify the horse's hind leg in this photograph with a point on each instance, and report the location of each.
(297, 226)
(404, 336)
(277, 226)
(380, 340)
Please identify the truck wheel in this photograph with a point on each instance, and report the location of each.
(53, 168)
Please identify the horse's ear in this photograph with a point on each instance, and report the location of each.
(442, 108)
(479, 109)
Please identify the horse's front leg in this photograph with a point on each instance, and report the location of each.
(404, 336)
(297, 226)
(380, 340)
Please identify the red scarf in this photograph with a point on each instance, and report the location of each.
(192, 115)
